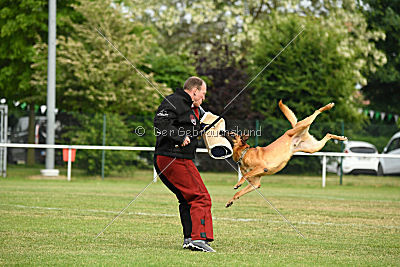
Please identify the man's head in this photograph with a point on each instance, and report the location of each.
(197, 90)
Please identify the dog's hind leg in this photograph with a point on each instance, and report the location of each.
(307, 121)
(255, 184)
(311, 145)
(304, 125)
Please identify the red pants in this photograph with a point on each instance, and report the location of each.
(183, 179)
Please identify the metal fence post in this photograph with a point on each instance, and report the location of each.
(323, 170)
(341, 158)
(69, 165)
(103, 153)
(3, 139)
(154, 175)
(257, 125)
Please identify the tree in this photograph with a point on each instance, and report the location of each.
(384, 85)
(190, 26)
(91, 75)
(22, 23)
(215, 34)
(169, 69)
(322, 65)
(87, 132)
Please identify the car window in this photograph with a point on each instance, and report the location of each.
(394, 145)
(362, 149)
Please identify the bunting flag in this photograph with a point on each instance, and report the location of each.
(371, 113)
(43, 109)
(378, 115)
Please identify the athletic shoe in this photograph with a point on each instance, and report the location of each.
(186, 242)
(200, 245)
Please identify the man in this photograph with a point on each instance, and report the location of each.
(176, 119)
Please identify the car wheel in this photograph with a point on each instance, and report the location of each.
(380, 170)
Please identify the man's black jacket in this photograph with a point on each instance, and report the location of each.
(174, 120)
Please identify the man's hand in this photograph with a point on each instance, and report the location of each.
(186, 141)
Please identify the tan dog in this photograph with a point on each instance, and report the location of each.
(260, 161)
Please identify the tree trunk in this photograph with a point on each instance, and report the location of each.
(30, 157)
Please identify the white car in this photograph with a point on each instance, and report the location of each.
(356, 165)
(390, 165)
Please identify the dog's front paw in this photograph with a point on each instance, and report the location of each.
(228, 204)
(237, 186)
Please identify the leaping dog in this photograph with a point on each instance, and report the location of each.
(260, 161)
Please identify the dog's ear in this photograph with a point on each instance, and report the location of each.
(232, 134)
(244, 138)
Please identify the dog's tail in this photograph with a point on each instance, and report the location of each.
(288, 113)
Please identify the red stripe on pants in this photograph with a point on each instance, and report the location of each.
(183, 174)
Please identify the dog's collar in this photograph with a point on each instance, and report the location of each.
(239, 162)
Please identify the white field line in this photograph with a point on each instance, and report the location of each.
(214, 218)
(334, 198)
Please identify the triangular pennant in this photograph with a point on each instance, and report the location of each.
(390, 116)
(383, 114)
(371, 113)
(360, 110)
(377, 115)
(396, 117)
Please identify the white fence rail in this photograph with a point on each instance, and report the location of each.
(199, 150)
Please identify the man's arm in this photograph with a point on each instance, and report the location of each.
(164, 123)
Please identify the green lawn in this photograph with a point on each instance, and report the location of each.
(54, 222)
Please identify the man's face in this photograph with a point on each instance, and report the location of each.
(200, 95)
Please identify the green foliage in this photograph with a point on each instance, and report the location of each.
(93, 76)
(322, 65)
(384, 85)
(22, 24)
(89, 132)
(169, 69)
(226, 42)
(141, 129)
(215, 34)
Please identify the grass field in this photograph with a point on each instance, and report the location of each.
(54, 222)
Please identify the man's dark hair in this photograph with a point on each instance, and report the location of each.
(193, 82)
